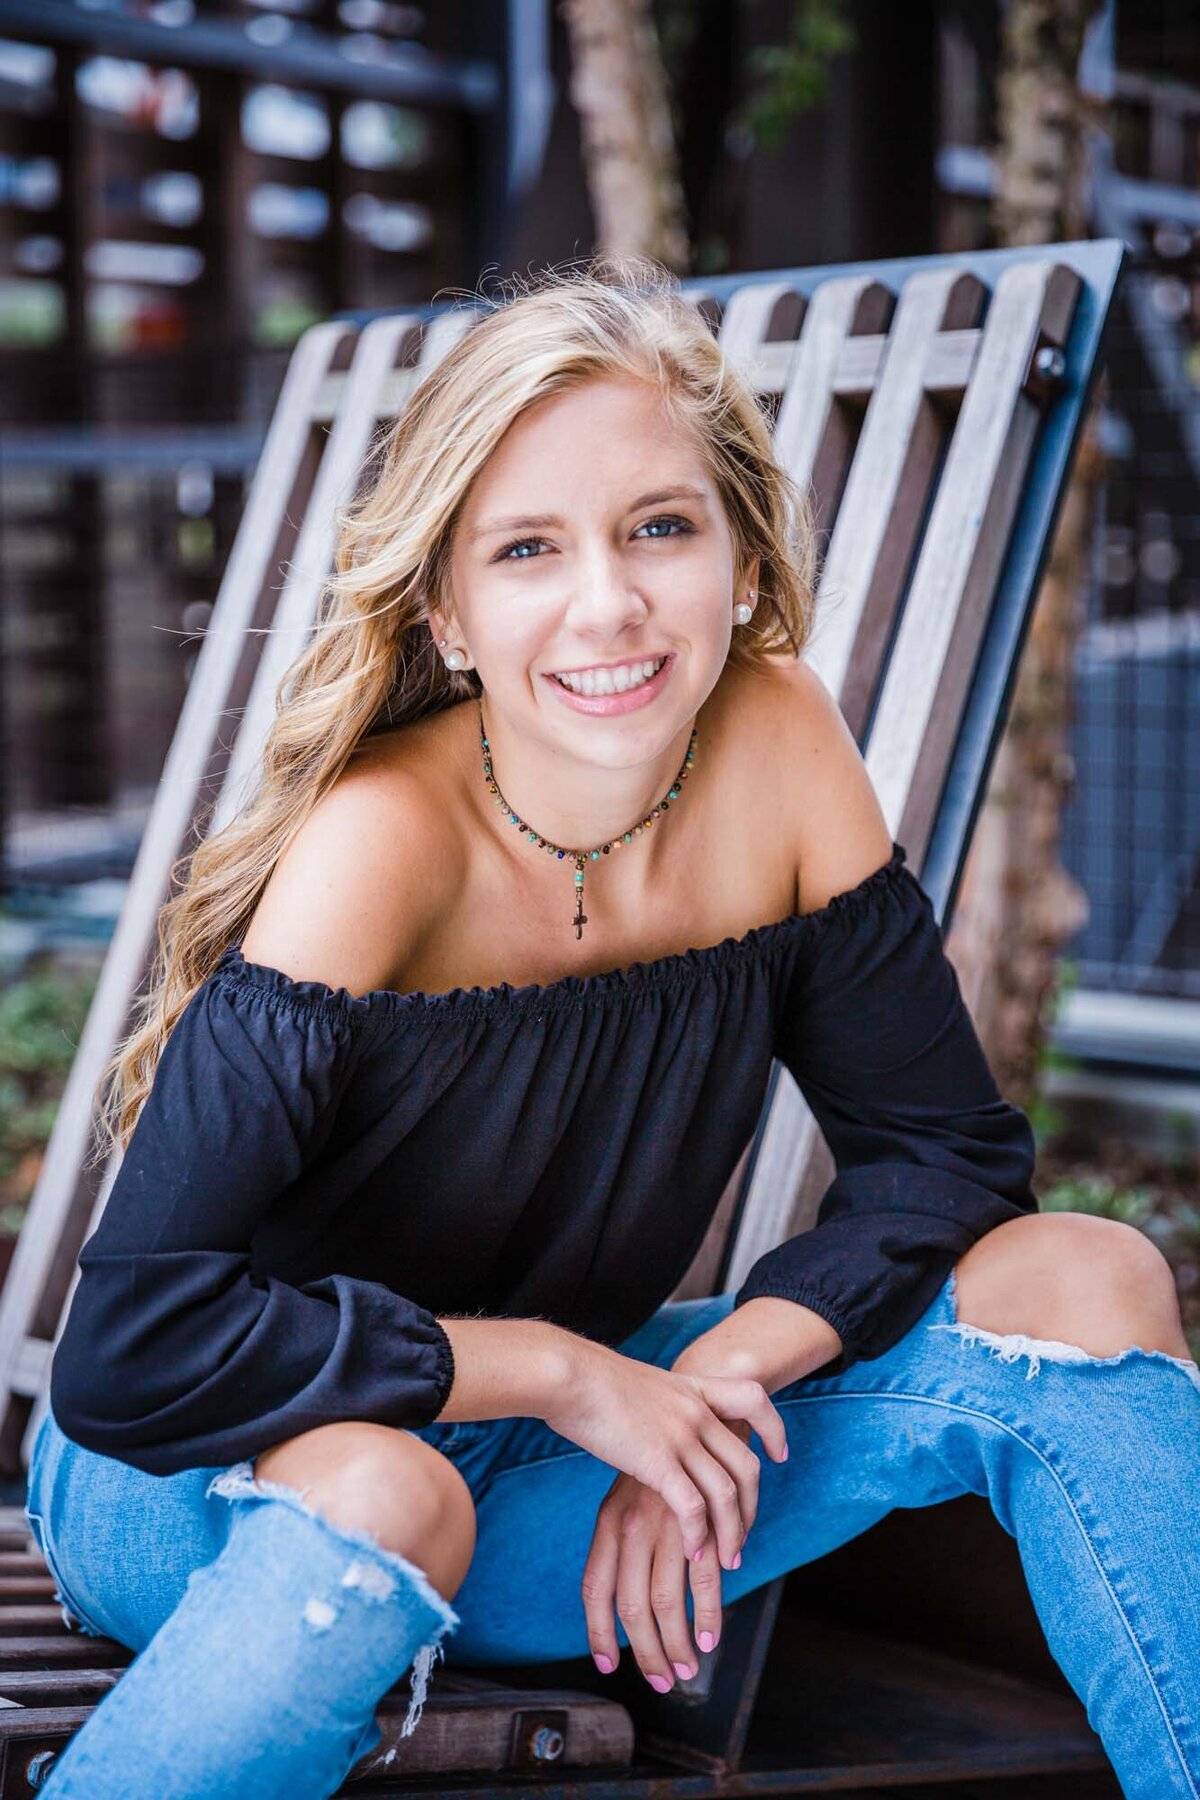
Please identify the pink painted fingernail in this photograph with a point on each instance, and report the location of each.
(684, 1671)
(698, 1554)
(706, 1640)
(737, 1561)
(605, 1664)
(660, 1684)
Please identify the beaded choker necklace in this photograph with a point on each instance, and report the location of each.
(581, 858)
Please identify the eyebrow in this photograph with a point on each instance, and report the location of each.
(541, 521)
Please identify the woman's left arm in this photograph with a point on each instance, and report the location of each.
(929, 1154)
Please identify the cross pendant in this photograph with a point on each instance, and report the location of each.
(580, 916)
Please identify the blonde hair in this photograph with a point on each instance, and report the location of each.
(371, 663)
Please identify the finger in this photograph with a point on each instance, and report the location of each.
(767, 1421)
(689, 1507)
(705, 1579)
(598, 1588)
(750, 1400)
(633, 1601)
(741, 1462)
(720, 1491)
(668, 1597)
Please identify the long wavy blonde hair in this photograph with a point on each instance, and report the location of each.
(371, 664)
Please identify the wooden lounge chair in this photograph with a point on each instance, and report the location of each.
(934, 404)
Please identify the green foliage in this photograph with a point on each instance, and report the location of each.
(712, 255)
(1046, 1119)
(42, 1014)
(795, 74)
(1184, 1150)
(1099, 1195)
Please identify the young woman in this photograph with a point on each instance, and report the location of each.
(455, 1036)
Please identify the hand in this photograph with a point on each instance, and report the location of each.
(636, 1562)
(668, 1430)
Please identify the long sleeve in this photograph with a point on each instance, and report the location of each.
(928, 1153)
(177, 1352)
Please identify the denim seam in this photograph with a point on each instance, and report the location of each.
(73, 1618)
(974, 1412)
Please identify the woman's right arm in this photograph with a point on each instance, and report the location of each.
(178, 1352)
(507, 1367)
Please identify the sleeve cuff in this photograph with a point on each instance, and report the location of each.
(444, 1370)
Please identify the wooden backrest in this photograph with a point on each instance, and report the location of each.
(932, 405)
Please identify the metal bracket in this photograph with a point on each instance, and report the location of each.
(539, 1736)
(1046, 374)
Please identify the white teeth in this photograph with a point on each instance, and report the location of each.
(611, 681)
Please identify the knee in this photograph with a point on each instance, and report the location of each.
(1072, 1277)
(408, 1496)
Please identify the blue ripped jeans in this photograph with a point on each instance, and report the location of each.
(266, 1636)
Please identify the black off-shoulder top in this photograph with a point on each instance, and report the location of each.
(315, 1176)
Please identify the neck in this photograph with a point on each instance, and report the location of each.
(575, 806)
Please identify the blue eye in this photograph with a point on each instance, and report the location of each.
(683, 528)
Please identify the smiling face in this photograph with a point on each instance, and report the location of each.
(592, 576)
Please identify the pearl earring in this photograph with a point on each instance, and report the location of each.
(455, 660)
(742, 613)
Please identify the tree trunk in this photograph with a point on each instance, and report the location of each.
(618, 88)
(1017, 905)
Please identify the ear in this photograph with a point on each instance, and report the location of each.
(750, 579)
(439, 624)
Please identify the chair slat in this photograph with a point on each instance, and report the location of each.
(886, 493)
(812, 437)
(375, 355)
(744, 334)
(925, 691)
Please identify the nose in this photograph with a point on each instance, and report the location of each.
(604, 601)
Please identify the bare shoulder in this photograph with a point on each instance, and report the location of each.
(795, 738)
(365, 876)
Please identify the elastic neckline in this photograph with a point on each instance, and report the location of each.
(635, 977)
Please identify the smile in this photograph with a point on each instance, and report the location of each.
(615, 679)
